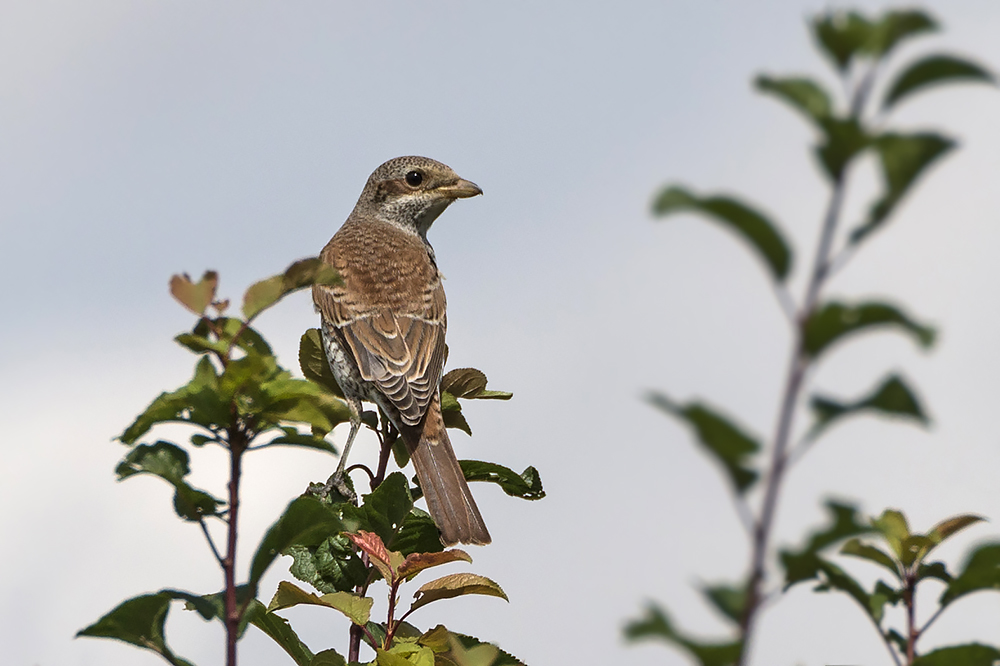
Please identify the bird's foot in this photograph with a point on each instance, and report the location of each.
(338, 488)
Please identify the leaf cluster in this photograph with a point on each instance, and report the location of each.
(904, 556)
(242, 400)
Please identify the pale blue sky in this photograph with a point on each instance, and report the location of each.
(143, 139)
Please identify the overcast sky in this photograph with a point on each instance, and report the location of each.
(141, 139)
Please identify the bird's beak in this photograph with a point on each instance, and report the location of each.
(463, 189)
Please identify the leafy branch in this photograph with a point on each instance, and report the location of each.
(859, 48)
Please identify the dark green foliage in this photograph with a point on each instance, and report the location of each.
(726, 442)
(242, 400)
(526, 485)
(753, 226)
(801, 93)
(858, 46)
(299, 275)
(656, 624)
(931, 71)
(960, 655)
(843, 140)
(306, 522)
(892, 398)
(903, 158)
(470, 384)
(729, 600)
(981, 572)
(834, 321)
(138, 621)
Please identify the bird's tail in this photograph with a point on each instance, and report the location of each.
(449, 499)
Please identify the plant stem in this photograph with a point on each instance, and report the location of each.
(912, 633)
(353, 653)
(386, 439)
(237, 446)
(798, 365)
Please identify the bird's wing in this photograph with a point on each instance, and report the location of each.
(401, 353)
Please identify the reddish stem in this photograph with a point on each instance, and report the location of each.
(237, 445)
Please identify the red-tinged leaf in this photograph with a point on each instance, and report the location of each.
(195, 296)
(385, 560)
(417, 562)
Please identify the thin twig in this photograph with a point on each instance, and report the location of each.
(211, 543)
(237, 446)
(840, 259)
(929, 622)
(798, 365)
(371, 475)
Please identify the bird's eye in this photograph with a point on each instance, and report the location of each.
(414, 178)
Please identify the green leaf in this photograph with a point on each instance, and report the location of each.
(934, 70)
(728, 444)
(163, 459)
(981, 572)
(453, 417)
(802, 94)
(193, 504)
(893, 527)
(331, 566)
(934, 570)
(200, 344)
(328, 658)
(382, 511)
(656, 624)
(198, 402)
(842, 36)
(292, 437)
(837, 579)
(526, 485)
(456, 585)
(855, 548)
(170, 462)
(301, 274)
(412, 656)
(284, 399)
(470, 651)
(138, 621)
(730, 600)
(762, 234)
(196, 297)
(882, 595)
(312, 361)
(278, 629)
(972, 654)
(843, 140)
(305, 522)
(946, 528)
(894, 27)
(470, 384)
(834, 321)
(357, 609)
(892, 398)
(803, 564)
(903, 158)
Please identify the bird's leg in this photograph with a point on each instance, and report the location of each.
(336, 481)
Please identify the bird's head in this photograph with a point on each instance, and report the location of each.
(412, 191)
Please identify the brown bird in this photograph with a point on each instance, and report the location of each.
(384, 326)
